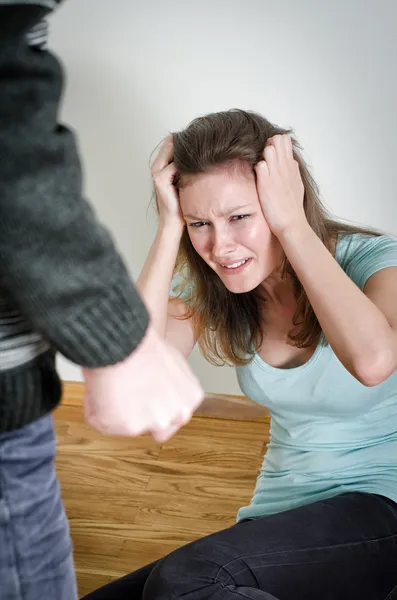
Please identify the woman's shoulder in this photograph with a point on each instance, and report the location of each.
(362, 254)
(349, 243)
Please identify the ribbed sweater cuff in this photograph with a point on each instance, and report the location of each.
(108, 330)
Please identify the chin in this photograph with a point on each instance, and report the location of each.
(242, 287)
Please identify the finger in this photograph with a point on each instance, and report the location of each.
(192, 382)
(262, 170)
(170, 170)
(173, 408)
(279, 147)
(165, 155)
(185, 414)
(288, 148)
(160, 418)
(181, 412)
(270, 158)
(166, 175)
(273, 141)
(164, 435)
(262, 179)
(269, 142)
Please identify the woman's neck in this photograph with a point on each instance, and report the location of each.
(278, 291)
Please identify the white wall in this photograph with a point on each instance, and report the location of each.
(138, 70)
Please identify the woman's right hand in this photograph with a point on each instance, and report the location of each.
(163, 173)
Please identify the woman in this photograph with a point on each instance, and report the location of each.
(305, 307)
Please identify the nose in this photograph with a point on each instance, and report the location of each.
(223, 244)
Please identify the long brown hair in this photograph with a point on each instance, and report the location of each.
(228, 324)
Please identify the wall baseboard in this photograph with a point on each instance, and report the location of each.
(219, 406)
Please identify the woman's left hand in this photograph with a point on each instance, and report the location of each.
(280, 186)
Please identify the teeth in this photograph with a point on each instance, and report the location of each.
(238, 264)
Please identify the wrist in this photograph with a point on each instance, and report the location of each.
(171, 226)
(295, 233)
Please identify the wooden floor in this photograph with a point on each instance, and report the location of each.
(130, 501)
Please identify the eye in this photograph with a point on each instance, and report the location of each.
(240, 217)
(198, 224)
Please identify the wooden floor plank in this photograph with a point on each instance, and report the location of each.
(132, 501)
(90, 581)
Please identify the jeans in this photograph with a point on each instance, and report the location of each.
(36, 560)
(344, 548)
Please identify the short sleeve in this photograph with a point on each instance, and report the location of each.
(361, 256)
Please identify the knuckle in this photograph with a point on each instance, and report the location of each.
(156, 176)
(184, 416)
(133, 430)
(161, 424)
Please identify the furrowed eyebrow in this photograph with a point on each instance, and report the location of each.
(226, 214)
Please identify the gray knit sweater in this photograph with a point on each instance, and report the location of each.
(63, 285)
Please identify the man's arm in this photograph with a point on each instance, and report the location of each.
(57, 263)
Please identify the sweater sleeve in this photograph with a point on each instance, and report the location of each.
(58, 264)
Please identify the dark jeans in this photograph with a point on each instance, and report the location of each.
(36, 561)
(344, 548)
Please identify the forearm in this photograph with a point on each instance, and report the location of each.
(58, 264)
(355, 328)
(155, 278)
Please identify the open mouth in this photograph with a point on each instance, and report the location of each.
(236, 267)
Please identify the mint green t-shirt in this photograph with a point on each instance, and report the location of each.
(329, 434)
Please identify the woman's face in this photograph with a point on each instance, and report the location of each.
(227, 227)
